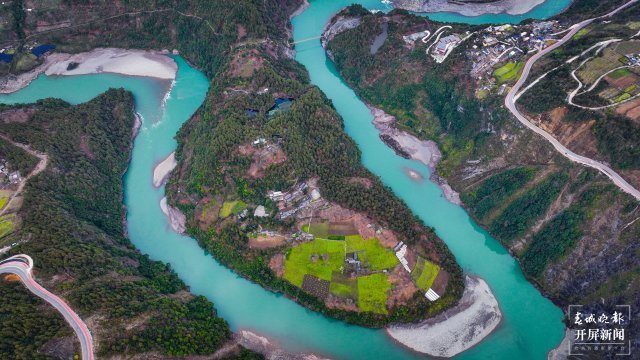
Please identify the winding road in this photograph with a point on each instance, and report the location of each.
(511, 105)
(22, 265)
(42, 164)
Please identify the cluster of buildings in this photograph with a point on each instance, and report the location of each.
(301, 197)
(8, 177)
(497, 44)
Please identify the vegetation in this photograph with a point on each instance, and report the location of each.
(16, 158)
(496, 165)
(508, 71)
(319, 258)
(558, 235)
(425, 273)
(232, 207)
(320, 230)
(525, 210)
(3, 201)
(495, 189)
(27, 324)
(372, 293)
(371, 253)
(310, 132)
(72, 225)
(6, 225)
(619, 138)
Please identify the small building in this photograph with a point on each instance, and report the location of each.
(315, 194)
(432, 295)
(306, 236)
(260, 212)
(275, 195)
(445, 44)
(489, 41)
(14, 177)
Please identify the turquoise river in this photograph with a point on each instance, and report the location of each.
(532, 324)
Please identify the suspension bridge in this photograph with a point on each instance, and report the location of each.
(305, 40)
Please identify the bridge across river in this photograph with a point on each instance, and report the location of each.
(305, 40)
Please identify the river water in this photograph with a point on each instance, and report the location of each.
(531, 325)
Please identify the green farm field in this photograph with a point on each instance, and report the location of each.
(508, 71)
(372, 293)
(7, 224)
(319, 258)
(232, 207)
(425, 273)
(371, 252)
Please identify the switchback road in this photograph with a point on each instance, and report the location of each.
(510, 104)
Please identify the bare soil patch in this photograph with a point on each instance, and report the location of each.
(266, 241)
(402, 289)
(366, 183)
(577, 136)
(263, 157)
(20, 115)
(245, 63)
(631, 109)
(277, 264)
(365, 226)
(84, 146)
(622, 82)
(440, 283)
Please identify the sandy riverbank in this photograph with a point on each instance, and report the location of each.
(177, 220)
(511, 7)
(263, 345)
(409, 146)
(305, 4)
(163, 169)
(457, 329)
(153, 64)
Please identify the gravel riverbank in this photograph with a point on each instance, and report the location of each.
(511, 7)
(410, 147)
(130, 62)
(163, 169)
(457, 329)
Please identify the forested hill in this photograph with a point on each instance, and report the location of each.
(72, 226)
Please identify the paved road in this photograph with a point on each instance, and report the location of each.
(22, 265)
(510, 103)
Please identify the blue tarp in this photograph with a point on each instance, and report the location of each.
(281, 105)
(42, 49)
(6, 57)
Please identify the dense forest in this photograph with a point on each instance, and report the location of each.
(547, 211)
(16, 158)
(72, 226)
